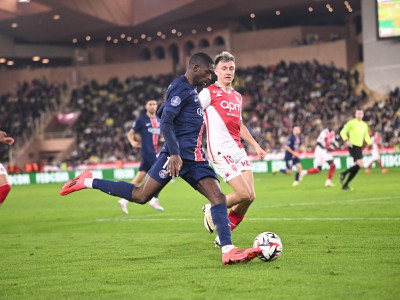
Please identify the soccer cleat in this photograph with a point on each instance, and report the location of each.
(123, 203)
(384, 171)
(295, 183)
(328, 183)
(342, 176)
(217, 242)
(347, 188)
(367, 171)
(275, 170)
(302, 174)
(156, 204)
(76, 184)
(236, 255)
(208, 221)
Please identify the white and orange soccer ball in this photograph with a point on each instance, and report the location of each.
(270, 244)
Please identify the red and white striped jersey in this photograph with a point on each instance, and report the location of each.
(222, 115)
(376, 143)
(326, 138)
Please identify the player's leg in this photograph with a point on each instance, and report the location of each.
(383, 170)
(353, 153)
(298, 167)
(140, 175)
(358, 158)
(210, 188)
(332, 167)
(4, 184)
(128, 191)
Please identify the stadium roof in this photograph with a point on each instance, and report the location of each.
(61, 21)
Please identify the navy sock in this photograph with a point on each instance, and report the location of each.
(115, 188)
(156, 195)
(220, 218)
(297, 176)
(282, 171)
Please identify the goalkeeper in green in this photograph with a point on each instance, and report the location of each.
(353, 134)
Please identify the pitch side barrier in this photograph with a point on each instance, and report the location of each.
(389, 160)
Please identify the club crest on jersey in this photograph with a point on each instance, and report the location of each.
(163, 174)
(175, 101)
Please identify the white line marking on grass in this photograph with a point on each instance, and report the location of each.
(330, 202)
(247, 219)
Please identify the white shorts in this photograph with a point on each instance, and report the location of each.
(3, 170)
(229, 166)
(322, 155)
(375, 155)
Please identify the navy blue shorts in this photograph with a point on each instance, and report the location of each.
(291, 162)
(147, 162)
(192, 171)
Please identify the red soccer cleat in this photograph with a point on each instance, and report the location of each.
(236, 255)
(76, 184)
(367, 171)
(384, 171)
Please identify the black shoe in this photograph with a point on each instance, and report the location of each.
(342, 177)
(346, 187)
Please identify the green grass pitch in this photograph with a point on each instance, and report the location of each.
(336, 244)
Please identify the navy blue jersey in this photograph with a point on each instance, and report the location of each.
(183, 102)
(293, 143)
(149, 130)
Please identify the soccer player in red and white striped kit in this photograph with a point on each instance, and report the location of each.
(4, 184)
(325, 142)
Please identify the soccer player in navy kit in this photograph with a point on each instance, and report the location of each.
(291, 156)
(182, 155)
(148, 127)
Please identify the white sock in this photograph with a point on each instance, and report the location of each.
(88, 182)
(227, 248)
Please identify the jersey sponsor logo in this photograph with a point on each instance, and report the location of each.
(163, 174)
(153, 130)
(230, 106)
(175, 101)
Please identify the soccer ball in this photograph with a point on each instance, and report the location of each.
(270, 244)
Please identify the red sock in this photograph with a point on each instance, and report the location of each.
(4, 189)
(370, 165)
(380, 164)
(331, 171)
(313, 170)
(234, 219)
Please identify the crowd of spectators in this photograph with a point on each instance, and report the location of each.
(21, 111)
(107, 112)
(275, 98)
(304, 94)
(385, 118)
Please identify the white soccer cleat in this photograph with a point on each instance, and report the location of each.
(328, 183)
(208, 221)
(295, 183)
(275, 170)
(217, 242)
(302, 174)
(123, 203)
(156, 204)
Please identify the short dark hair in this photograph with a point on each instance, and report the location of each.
(201, 59)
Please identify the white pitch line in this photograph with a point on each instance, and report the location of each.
(330, 202)
(247, 219)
